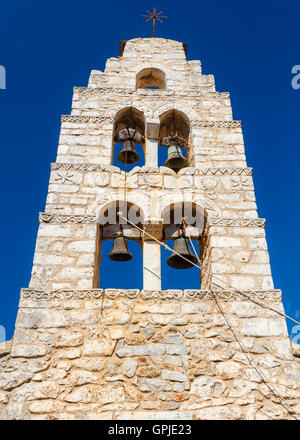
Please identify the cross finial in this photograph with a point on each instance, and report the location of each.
(154, 16)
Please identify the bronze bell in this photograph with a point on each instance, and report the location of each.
(120, 251)
(182, 247)
(128, 154)
(176, 159)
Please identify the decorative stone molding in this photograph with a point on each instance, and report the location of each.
(151, 228)
(104, 90)
(88, 91)
(222, 221)
(224, 171)
(57, 218)
(85, 167)
(269, 295)
(218, 124)
(147, 169)
(87, 119)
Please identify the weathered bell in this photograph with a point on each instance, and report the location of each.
(176, 159)
(128, 153)
(120, 251)
(182, 247)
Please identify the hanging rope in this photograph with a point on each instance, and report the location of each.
(210, 273)
(244, 350)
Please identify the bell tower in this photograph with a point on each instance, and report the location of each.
(83, 352)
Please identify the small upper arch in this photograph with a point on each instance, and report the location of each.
(151, 77)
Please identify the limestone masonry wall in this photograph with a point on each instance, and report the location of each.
(80, 352)
(127, 354)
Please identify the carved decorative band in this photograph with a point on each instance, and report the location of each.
(86, 119)
(91, 219)
(82, 166)
(194, 123)
(222, 221)
(57, 218)
(103, 90)
(218, 124)
(188, 170)
(91, 91)
(153, 294)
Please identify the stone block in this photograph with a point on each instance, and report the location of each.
(174, 375)
(147, 384)
(109, 394)
(129, 367)
(95, 348)
(229, 370)
(205, 388)
(71, 353)
(90, 364)
(78, 377)
(69, 340)
(148, 371)
(46, 406)
(13, 379)
(37, 391)
(79, 395)
(226, 242)
(28, 351)
(79, 317)
(263, 327)
(115, 317)
(142, 350)
(42, 319)
(257, 243)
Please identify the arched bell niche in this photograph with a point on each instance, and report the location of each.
(176, 233)
(120, 247)
(129, 139)
(174, 138)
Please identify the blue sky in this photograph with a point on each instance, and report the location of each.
(47, 48)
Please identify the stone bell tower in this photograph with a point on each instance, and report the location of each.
(81, 352)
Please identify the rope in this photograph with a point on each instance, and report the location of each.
(245, 351)
(157, 241)
(210, 273)
(125, 183)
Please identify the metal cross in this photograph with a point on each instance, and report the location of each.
(154, 16)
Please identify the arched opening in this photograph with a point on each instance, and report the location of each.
(179, 278)
(176, 234)
(128, 139)
(110, 221)
(120, 247)
(121, 275)
(151, 78)
(174, 134)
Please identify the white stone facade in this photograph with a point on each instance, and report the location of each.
(81, 352)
